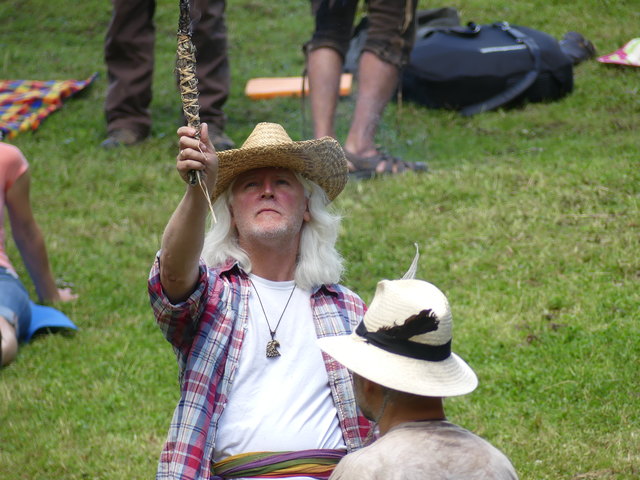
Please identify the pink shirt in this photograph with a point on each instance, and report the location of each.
(12, 165)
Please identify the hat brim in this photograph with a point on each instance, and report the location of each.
(47, 317)
(448, 378)
(321, 160)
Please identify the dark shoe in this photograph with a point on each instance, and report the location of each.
(122, 137)
(367, 167)
(220, 140)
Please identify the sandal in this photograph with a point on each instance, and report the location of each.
(366, 167)
(400, 166)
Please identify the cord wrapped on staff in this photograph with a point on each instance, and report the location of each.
(188, 82)
(186, 69)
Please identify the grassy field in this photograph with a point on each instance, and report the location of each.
(529, 220)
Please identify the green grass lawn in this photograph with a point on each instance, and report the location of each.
(529, 221)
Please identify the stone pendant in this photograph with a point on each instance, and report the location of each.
(272, 348)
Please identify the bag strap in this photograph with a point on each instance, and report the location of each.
(515, 90)
(434, 19)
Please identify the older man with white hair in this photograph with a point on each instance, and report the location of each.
(244, 304)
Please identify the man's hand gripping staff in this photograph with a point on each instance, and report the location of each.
(197, 157)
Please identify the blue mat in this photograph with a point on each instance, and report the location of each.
(47, 317)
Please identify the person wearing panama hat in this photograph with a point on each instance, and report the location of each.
(243, 304)
(401, 359)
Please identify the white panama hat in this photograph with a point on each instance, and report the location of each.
(404, 342)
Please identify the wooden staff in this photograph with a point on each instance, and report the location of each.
(186, 69)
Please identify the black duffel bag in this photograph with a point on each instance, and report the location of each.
(482, 67)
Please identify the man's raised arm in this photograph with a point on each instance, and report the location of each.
(183, 236)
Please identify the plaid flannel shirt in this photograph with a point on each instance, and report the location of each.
(206, 332)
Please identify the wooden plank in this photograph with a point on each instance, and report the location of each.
(270, 87)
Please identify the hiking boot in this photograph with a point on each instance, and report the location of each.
(122, 137)
(220, 140)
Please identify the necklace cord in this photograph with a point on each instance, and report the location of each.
(272, 332)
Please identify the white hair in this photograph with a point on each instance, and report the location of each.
(318, 260)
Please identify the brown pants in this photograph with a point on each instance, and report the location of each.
(129, 55)
(390, 35)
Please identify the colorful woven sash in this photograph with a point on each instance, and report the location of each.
(304, 463)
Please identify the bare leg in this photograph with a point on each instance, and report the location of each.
(8, 342)
(377, 80)
(324, 68)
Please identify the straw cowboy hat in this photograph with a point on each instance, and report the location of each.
(404, 342)
(321, 161)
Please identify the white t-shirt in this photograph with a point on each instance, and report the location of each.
(280, 403)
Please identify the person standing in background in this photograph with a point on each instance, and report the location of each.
(129, 56)
(390, 38)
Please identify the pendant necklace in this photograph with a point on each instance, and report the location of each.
(273, 345)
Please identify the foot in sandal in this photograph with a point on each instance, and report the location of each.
(381, 163)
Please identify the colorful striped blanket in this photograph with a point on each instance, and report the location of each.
(25, 103)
